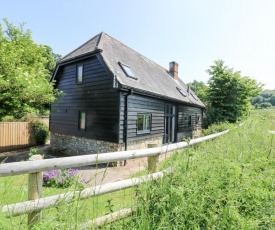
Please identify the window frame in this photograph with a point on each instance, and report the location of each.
(80, 120)
(144, 130)
(77, 74)
(124, 68)
(181, 92)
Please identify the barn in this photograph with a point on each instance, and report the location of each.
(116, 99)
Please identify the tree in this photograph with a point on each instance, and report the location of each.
(265, 105)
(229, 93)
(200, 89)
(25, 70)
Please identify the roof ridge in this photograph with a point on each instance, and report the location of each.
(137, 52)
(83, 45)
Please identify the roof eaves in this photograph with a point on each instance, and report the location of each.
(161, 96)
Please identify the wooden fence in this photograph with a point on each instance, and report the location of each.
(15, 135)
(36, 204)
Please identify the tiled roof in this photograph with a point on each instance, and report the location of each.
(86, 48)
(151, 77)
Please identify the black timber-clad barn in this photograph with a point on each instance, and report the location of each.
(116, 99)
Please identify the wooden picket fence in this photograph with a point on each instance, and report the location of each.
(15, 135)
(37, 165)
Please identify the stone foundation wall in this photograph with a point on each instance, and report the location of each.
(142, 144)
(72, 145)
(188, 134)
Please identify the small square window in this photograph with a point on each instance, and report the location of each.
(143, 123)
(79, 74)
(82, 120)
(127, 70)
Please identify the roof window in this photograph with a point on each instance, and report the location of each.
(194, 96)
(181, 91)
(127, 70)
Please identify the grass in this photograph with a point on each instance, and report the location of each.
(13, 189)
(224, 183)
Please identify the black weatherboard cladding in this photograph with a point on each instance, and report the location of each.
(138, 104)
(95, 96)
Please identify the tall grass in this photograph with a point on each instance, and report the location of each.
(225, 183)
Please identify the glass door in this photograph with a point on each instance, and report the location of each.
(170, 123)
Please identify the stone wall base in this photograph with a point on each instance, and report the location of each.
(188, 134)
(71, 145)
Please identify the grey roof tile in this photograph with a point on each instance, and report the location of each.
(85, 48)
(151, 77)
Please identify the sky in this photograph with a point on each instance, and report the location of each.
(193, 33)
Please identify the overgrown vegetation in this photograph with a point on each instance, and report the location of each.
(216, 128)
(228, 184)
(224, 183)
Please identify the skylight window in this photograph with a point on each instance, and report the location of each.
(181, 91)
(194, 96)
(127, 70)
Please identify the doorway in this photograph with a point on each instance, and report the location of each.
(169, 123)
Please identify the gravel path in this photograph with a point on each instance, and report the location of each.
(102, 175)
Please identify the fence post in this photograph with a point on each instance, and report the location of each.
(152, 160)
(35, 192)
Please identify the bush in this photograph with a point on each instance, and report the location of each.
(216, 128)
(41, 131)
(9, 119)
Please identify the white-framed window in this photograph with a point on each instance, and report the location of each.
(79, 74)
(82, 120)
(143, 123)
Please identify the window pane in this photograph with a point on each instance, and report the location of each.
(79, 74)
(82, 120)
(140, 123)
(128, 71)
(147, 122)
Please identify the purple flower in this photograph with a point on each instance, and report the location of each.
(60, 178)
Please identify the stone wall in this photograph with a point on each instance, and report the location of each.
(142, 144)
(72, 145)
(188, 134)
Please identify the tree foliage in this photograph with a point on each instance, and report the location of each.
(200, 89)
(265, 96)
(25, 70)
(229, 93)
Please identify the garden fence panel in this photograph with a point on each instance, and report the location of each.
(15, 135)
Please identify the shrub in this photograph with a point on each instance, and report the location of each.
(215, 128)
(60, 178)
(41, 131)
(9, 119)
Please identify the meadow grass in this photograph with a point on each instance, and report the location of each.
(224, 183)
(14, 189)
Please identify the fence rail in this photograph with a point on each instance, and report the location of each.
(37, 166)
(27, 167)
(15, 135)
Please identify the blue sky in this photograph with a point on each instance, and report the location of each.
(192, 32)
